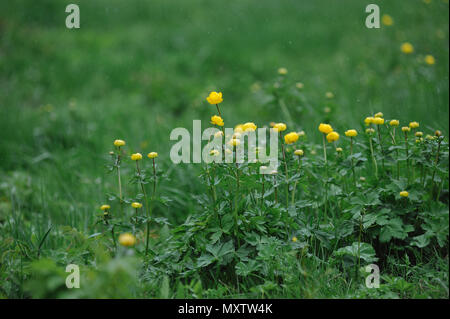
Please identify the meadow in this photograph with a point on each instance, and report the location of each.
(136, 70)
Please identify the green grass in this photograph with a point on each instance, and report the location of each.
(137, 69)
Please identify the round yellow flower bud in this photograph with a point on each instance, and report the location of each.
(378, 121)
(351, 133)
(294, 239)
(127, 240)
(418, 134)
(368, 120)
(394, 123)
(214, 98)
(105, 207)
(299, 85)
(329, 95)
(405, 129)
(339, 149)
(429, 59)
(218, 134)
(370, 131)
(291, 138)
(379, 114)
(280, 127)
(119, 143)
(429, 137)
(407, 48)
(249, 127)
(414, 125)
(404, 194)
(299, 152)
(438, 133)
(136, 205)
(282, 71)
(136, 156)
(217, 120)
(152, 155)
(332, 137)
(325, 128)
(387, 20)
(239, 128)
(301, 133)
(234, 142)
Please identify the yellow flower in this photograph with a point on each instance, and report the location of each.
(351, 133)
(368, 120)
(152, 155)
(429, 59)
(362, 179)
(332, 137)
(387, 20)
(249, 127)
(378, 120)
(239, 128)
(438, 133)
(294, 239)
(418, 134)
(370, 131)
(136, 205)
(291, 138)
(215, 98)
(119, 143)
(298, 152)
(419, 140)
(394, 123)
(217, 120)
(280, 127)
(405, 129)
(105, 207)
(136, 156)
(325, 128)
(429, 137)
(379, 114)
(329, 95)
(234, 142)
(127, 239)
(282, 71)
(214, 153)
(218, 134)
(414, 125)
(404, 194)
(339, 149)
(407, 48)
(299, 85)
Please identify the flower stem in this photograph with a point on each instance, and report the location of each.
(296, 182)
(373, 157)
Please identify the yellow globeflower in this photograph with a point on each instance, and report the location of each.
(378, 120)
(429, 137)
(329, 95)
(339, 149)
(299, 85)
(404, 194)
(152, 155)
(387, 20)
(299, 152)
(294, 239)
(280, 127)
(370, 131)
(394, 123)
(429, 59)
(332, 137)
(136, 156)
(414, 125)
(215, 98)
(438, 133)
(239, 128)
(379, 114)
(217, 120)
(119, 143)
(325, 128)
(127, 239)
(282, 71)
(418, 134)
(234, 142)
(214, 153)
(105, 207)
(351, 133)
(291, 138)
(407, 48)
(406, 129)
(249, 127)
(136, 205)
(368, 120)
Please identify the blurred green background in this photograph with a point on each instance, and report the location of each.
(137, 69)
